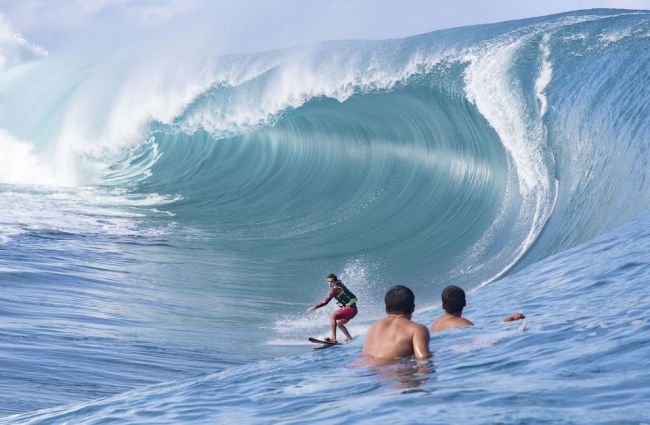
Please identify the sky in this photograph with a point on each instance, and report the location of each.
(243, 26)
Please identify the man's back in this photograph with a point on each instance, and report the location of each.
(448, 321)
(396, 336)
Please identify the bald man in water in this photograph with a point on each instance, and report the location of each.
(396, 335)
(453, 302)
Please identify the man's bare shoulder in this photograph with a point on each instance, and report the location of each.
(381, 323)
(417, 327)
(378, 328)
(396, 336)
(392, 326)
(446, 322)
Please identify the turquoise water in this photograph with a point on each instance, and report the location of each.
(163, 228)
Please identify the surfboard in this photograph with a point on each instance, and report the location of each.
(318, 341)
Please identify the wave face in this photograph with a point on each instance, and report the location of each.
(455, 157)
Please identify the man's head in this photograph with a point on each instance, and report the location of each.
(332, 279)
(399, 300)
(453, 299)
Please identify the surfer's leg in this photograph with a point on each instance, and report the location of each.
(333, 324)
(344, 330)
(343, 316)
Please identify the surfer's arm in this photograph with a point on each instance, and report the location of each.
(333, 292)
(421, 338)
(513, 317)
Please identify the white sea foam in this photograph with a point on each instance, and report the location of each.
(609, 37)
(545, 75)
(294, 78)
(19, 163)
(85, 211)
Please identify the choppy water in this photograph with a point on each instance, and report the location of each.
(163, 227)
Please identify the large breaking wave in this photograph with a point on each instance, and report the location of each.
(168, 215)
(447, 157)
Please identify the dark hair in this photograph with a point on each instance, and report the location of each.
(332, 276)
(399, 299)
(453, 299)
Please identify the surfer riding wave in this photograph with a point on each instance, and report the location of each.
(348, 307)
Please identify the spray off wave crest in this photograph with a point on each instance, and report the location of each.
(14, 49)
(80, 118)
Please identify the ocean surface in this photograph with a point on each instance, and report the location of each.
(166, 221)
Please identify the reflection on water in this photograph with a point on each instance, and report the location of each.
(400, 373)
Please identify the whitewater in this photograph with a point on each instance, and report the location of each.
(166, 220)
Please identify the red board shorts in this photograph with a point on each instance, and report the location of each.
(345, 314)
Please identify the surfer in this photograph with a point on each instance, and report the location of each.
(453, 302)
(396, 335)
(347, 303)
